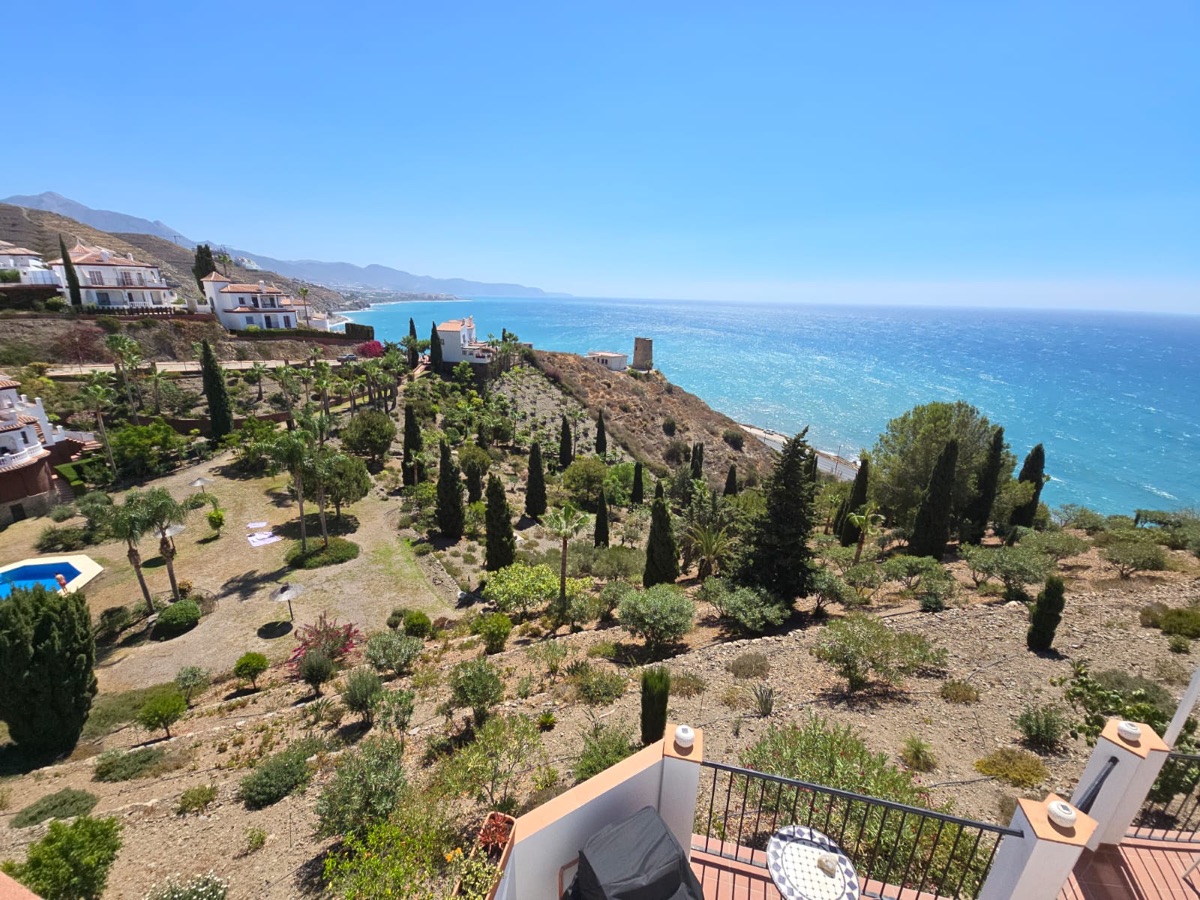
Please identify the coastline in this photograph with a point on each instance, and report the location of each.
(838, 466)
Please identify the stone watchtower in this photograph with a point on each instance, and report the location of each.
(643, 354)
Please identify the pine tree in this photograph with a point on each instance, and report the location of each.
(1046, 614)
(501, 545)
(778, 559)
(662, 557)
(1033, 471)
(601, 530)
(601, 437)
(435, 351)
(697, 461)
(203, 264)
(73, 291)
(413, 445)
(847, 532)
(450, 514)
(731, 485)
(656, 689)
(636, 495)
(931, 527)
(977, 514)
(566, 452)
(220, 411)
(47, 653)
(535, 486)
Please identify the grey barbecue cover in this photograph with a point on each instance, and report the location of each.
(637, 859)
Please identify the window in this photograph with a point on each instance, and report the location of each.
(95, 276)
(125, 279)
(287, 321)
(141, 278)
(102, 298)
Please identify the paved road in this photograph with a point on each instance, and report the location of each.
(189, 366)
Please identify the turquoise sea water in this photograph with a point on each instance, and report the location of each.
(1114, 397)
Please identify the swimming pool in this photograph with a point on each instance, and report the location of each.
(76, 570)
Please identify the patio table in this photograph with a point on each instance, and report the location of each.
(792, 856)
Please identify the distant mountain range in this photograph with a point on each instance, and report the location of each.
(332, 274)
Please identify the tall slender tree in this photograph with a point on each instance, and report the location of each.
(451, 517)
(435, 351)
(931, 527)
(501, 545)
(413, 353)
(126, 522)
(220, 410)
(99, 395)
(413, 445)
(659, 493)
(847, 531)
(289, 451)
(566, 452)
(601, 529)
(731, 485)
(564, 524)
(637, 494)
(535, 485)
(662, 554)
(162, 511)
(697, 461)
(601, 436)
(203, 264)
(1045, 615)
(979, 511)
(73, 291)
(1033, 472)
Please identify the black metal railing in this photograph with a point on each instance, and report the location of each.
(1171, 811)
(1088, 798)
(894, 847)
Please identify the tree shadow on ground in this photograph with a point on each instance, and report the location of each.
(209, 539)
(353, 732)
(250, 583)
(308, 879)
(239, 693)
(281, 498)
(873, 696)
(235, 471)
(17, 761)
(348, 524)
(269, 631)
(155, 562)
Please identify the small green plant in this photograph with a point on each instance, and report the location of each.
(190, 679)
(367, 787)
(1020, 768)
(687, 684)
(215, 519)
(593, 685)
(339, 551)
(115, 765)
(198, 887)
(918, 755)
(279, 775)
(1177, 643)
(393, 651)
(177, 618)
(315, 670)
(256, 839)
(64, 804)
(1043, 728)
(1184, 621)
(661, 615)
(550, 655)
(72, 861)
(749, 665)
(546, 721)
(861, 647)
(656, 688)
(396, 618)
(417, 624)
(362, 693)
(494, 628)
(196, 799)
(475, 684)
(603, 746)
(162, 712)
(956, 691)
(603, 650)
(249, 666)
(764, 699)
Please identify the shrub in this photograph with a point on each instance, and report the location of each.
(593, 685)
(115, 765)
(196, 799)
(1045, 615)
(603, 650)
(1177, 643)
(315, 669)
(326, 637)
(112, 622)
(393, 651)
(955, 691)
(64, 804)
(249, 666)
(417, 624)
(764, 699)
(190, 679)
(363, 689)
(504, 748)
(63, 539)
(394, 711)
(861, 647)
(368, 784)
(1043, 728)
(687, 684)
(603, 746)
(521, 588)
(198, 887)
(546, 721)
(1131, 552)
(177, 618)
(734, 437)
(475, 684)
(396, 859)
(62, 512)
(494, 628)
(911, 571)
(1150, 615)
(656, 688)
(396, 618)
(918, 755)
(1018, 566)
(256, 839)
(278, 775)
(749, 665)
(611, 596)
(668, 427)
(661, 614)
(339, 550)
(162, 712)
(752, 610)
(612, 563)
(1184, 621)
(550, 654)
(72, 861)
(1020, 768)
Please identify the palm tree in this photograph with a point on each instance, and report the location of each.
(289, 388)
(162, 511)
(127, 355)
(323, 382)
(869, 524)
(255, 375)
(564, 523)
(226, 261)
(99, 395)
(156, 381)
(290, 451)
(710, 543)
(303, 292)
(127, 522)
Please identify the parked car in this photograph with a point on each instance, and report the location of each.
(348, 358)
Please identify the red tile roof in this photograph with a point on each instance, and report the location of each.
(250, 289)
(215, 276)
(95, 256)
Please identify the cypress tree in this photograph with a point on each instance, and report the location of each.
(435, 351)
(565, 451)
(662, 558)
(601, 530)
(220, 411)
(601, 437)
(1033, 471)
(73, 291)
(977, 514)
(847, 532)
(413, 355)
(535, 486)
(697, 461)
(501, 545)
(413, 445)
(658, 490)
(931, 527)
(636, 495)
(450, 514)
(474, 483)
(47, 653)
(731, 485)
(1046, 614)
(656, 688)
(203, 264)
(778, 559)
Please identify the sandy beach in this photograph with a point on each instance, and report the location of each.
(838, 466)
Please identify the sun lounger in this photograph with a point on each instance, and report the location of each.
(263, 538)
(256, 524)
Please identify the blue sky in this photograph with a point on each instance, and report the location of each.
(954, 152)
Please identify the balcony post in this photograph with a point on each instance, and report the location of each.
(680, 782)
(1036, 866)
(1139, 759)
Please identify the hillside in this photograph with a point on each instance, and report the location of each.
(101, 219)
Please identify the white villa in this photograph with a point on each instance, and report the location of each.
(240, 306)
(107, 279)
(459, 343)
(29, 265)
(614, 362)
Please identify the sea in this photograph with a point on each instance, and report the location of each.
(1114, 397)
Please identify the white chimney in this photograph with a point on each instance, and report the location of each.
(262, 286)
(104, 256)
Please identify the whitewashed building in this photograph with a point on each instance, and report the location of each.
(110, 280)
(459, 343)
(614, 362)
(28, 264)
(240, 306)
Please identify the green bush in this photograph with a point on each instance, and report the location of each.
(339, 550)
(279, 775)
(116, 765)
(363, 690)
(861, 647)
(1133, 551)
(316, 669)
(611, 596)
(494, 628)
(110, 711)
(256, 839)
(1183, 621)
(475, 684)
(955, 691)
(62, 512)
(1177, 643)
(594, 685)
(190, 679)
(734, 437)
(1046, 615)
(63, 539)
(603, 746)
(198, 887)
(1043, 728)
(393, 651)
(72, 861)
(1020, 768)
(196, 799)
(417, 624)
(112, 622)
(749, 665)
(751, 610)
(162, 712)
(396, 859)
(249, 666)
(367, 786)
(661, 614)
(396, 618)
(177, 618)
(64, 804)
(918, 755)
(656, 689)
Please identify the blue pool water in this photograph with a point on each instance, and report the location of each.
(36, 573)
